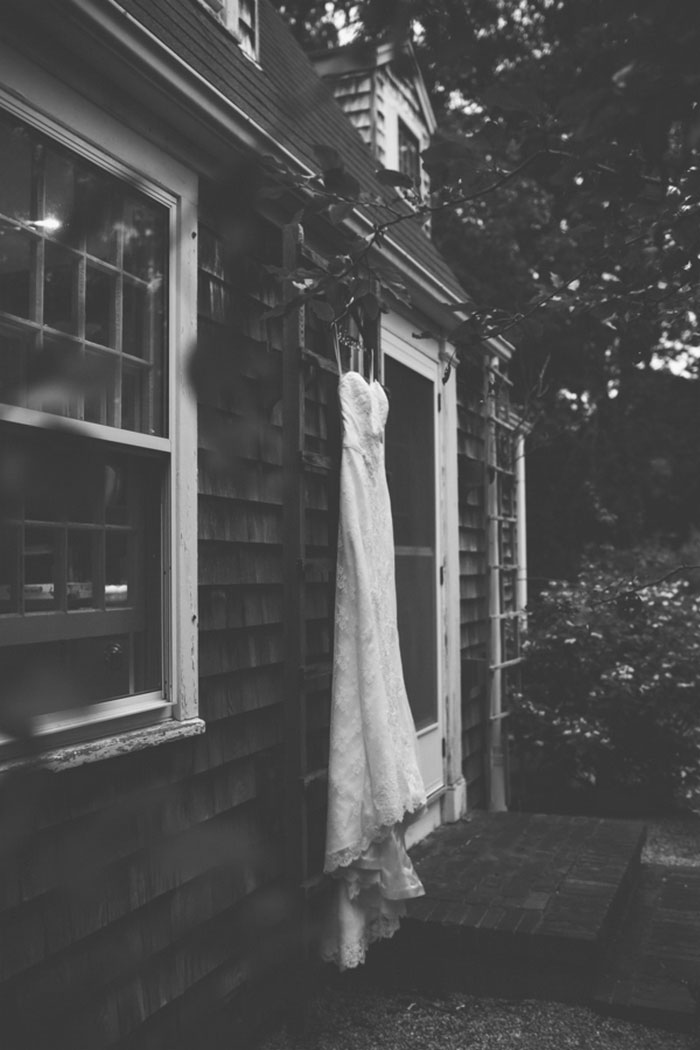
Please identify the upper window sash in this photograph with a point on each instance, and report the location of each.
(83, 287)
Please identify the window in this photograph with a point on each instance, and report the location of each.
(89, 582)
(409, 155)
(241, 18)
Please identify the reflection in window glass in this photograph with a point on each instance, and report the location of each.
(15, 271)
(90, 555)
(115, 494)
(87, 257)
(9, 538)
(100, 288)
(134, 322)
(61, 289)
(144, 239)
(41, 568)
(83, 547)
(117, 575)
(13, 365)
(59, 194)
(16, 183)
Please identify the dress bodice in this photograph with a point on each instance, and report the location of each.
(364, 408)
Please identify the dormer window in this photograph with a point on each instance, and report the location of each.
(241, 19)
(409, 154)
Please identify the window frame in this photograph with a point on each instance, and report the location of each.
(46, 104)
(228, 14)
(406, 137)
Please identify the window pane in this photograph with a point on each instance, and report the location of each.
(60, 196)
(42, 569)
(91, 555)
(409, 154)
(50, 274)
(97, 201)
(14, 350)
(115, 494)
(15, 169)
(133, 407)
(135, 320)
(9, 549)
(145, 242)
(100, 292)
(83, 551)
(117, 575)
(61, 289)
(55, 377)
(102, 383)
(15, 271)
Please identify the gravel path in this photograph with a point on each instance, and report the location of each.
(358, 1020)
(674, 840)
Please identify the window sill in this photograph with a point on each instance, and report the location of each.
(60, 759)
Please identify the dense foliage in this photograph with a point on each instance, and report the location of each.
(611, 683)
(566, 178)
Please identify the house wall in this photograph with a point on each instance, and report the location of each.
(375, 100)
(397, 101)
(141, 894)
(137, 892)
(353, 93)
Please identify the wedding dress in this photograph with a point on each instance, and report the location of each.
(374, 780)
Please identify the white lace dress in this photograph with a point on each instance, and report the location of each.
(374, 780)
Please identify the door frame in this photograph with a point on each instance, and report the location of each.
(431, 739)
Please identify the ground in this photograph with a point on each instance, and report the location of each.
(350, 1017)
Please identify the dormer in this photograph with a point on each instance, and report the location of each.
(384, 95)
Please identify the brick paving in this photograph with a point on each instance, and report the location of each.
(552, 907)
(528, 873)
(656, 950)
(516, 904)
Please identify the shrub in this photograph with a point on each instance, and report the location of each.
(611, 682)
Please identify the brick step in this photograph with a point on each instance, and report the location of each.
(516, 904)
(651, 971)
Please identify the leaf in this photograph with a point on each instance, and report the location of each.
(324, 311)
(328, 157)
(277, 311)
(341, 183)
(466, 329)
(521, 98)
(338, 263)
(371, 306)
(391, 177)
(338, 212)
(442, 154)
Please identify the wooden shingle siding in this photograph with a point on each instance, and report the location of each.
(130, 903)
(473, 571)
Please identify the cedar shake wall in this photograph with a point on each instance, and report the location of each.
(142, 893)
(473, 559)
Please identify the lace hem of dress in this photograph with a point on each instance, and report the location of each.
(350, 956)
(343, 858)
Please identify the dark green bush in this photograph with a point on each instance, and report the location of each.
(611, 681)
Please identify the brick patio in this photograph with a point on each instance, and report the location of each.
(516, 904)
(550, 907)
(655, 951)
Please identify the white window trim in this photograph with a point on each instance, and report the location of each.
(55, 109)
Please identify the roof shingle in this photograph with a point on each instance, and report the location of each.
(284, 96)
